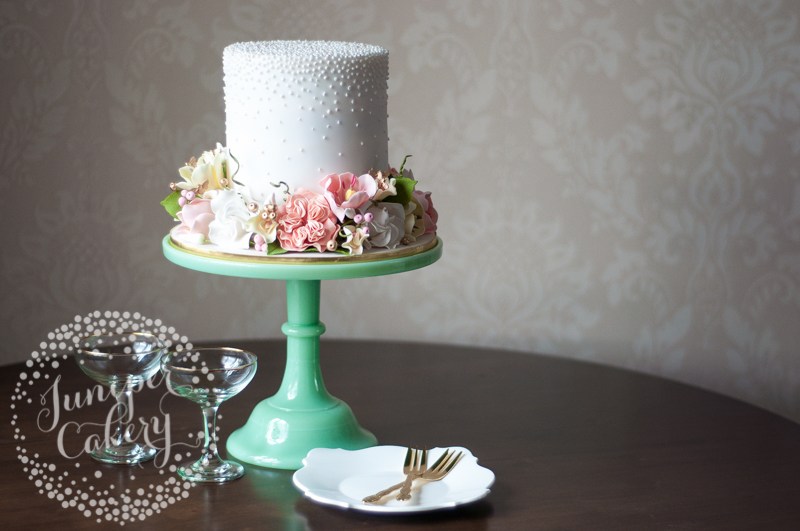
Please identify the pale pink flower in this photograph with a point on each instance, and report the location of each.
(430, 216)
(195, 217)
(345, 192)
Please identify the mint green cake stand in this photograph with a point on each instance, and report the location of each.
(302, 415)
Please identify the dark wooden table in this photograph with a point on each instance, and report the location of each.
(573, 446)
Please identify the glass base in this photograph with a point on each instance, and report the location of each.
(127, 454)
(200, 473)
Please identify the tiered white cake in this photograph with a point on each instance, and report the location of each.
(296, 111)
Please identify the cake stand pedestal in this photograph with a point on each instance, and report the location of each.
(302, 415)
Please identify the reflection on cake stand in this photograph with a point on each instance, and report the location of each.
(302, 415)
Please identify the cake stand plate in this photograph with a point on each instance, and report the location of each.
(302, 415)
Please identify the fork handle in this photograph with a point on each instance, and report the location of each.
(405, 489)
(378, 495)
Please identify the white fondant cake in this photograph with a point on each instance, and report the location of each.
(297, 111)
(305, 168)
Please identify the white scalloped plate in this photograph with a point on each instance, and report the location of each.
(342, 478)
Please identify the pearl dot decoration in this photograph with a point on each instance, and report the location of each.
(80, 483)
(280, 94)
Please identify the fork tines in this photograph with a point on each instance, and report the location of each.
(447, 461)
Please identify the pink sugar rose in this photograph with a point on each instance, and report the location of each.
(195, 217)
(306, 220)
(345, 192)
(430, 216)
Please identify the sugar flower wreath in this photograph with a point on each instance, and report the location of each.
(379, 210)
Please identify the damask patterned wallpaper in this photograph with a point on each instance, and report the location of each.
(617, 181)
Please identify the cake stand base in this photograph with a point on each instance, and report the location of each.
(302, 415)
(275, 437)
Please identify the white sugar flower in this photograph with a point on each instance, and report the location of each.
(387, 226)
(354, 238)
(210, 172)
(387, 187)
(264, 220)
(232, 226)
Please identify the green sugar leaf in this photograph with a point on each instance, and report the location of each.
(405, 190)
(170, 204)
(274, 249)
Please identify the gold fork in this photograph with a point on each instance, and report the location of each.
(446, 462)
(409, 464)
(417, 467)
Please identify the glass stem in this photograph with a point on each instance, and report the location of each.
(210, 456)
(123, 396)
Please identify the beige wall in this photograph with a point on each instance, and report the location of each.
(616, 182)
